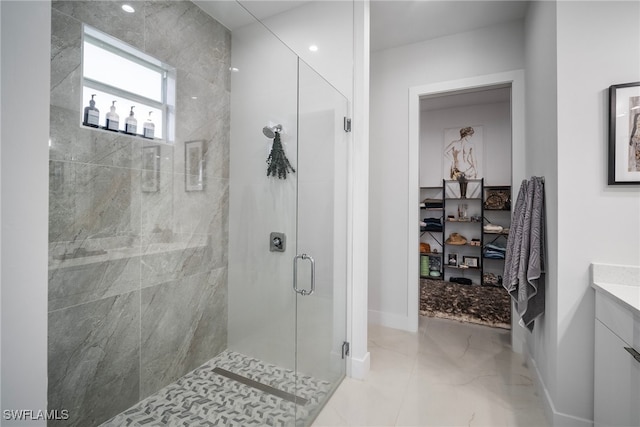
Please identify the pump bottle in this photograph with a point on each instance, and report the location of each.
(113, 120)
(148, 127)
(91, 114)
(130, 123)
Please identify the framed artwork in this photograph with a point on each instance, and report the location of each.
(151, 169)
(624, 134)
(193, 166)
(471, 261)
(463, 152)
(452, 260)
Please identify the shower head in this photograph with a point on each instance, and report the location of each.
(270, 132)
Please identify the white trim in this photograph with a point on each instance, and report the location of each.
(359, 368)
(554, 417)
(358, 203)
(516, 79)
(391, 320)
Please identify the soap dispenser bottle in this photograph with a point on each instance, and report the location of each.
(91, 114)
(113, 120)
(130, 123)
(148, 127)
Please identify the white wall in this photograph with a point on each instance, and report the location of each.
(570, 66)
(588, 62)
(489, 50)
(495, 120)
(542, 160)
(25, 58)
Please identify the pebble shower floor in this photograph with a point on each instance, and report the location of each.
(203, 397)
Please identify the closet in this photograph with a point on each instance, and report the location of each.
(465, 220)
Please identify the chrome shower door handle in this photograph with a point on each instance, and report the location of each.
(304, 292)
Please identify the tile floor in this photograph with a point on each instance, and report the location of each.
(447, 374)
(205, 397)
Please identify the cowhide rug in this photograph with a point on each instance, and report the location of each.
(485, 305)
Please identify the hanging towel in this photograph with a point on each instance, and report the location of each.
(523, 274)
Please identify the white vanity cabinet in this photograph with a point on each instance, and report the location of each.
(617, 371)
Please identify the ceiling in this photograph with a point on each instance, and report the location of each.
(399, 22)
(393, 22)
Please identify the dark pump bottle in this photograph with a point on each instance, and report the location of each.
(130, 123)
(91, 114)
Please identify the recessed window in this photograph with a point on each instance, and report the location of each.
(120, 76)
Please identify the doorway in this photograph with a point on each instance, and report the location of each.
(514, 79)
(465, 134)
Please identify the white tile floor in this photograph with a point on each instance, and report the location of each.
(447, 374)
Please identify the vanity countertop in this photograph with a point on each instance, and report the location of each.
(620, 282)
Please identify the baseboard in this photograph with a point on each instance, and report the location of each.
(554, 417)
(359, 368)
(389, 320)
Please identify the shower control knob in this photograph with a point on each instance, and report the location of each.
(277, 242)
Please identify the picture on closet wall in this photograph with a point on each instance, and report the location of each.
(463, 152)
(624, 133)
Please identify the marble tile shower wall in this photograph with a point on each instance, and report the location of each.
(137, 279)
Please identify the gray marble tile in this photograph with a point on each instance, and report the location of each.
(183, 325)
(162, 264)
(72, 141)
(93, 364)
(214, 130)
(166, 153)
(157, 207)
(182, 35)
(66, 39)
(62, 201)
(91, 202)
(211, 106)
(108, 17)
(201, 212)
(107, 201)
(89, 281)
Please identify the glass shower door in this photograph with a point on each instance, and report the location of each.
(321, 262)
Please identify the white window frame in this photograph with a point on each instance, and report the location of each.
(168, 91)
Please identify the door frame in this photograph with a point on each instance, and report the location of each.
(516, 79)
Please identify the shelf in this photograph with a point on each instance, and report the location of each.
(477, 201)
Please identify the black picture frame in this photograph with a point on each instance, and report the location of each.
(624, 134)
(471, 261)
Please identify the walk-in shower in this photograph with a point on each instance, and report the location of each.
(166, 304)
